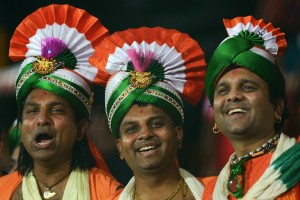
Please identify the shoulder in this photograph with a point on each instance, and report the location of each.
(96, 173)
(8, 184)
(103, 185)
(10, 178)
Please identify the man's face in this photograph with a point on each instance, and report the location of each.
(149, 140)
(241, 105)
(48, 129)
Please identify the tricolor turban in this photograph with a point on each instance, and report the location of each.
(155, 66)
(251, 44)
(57, 42)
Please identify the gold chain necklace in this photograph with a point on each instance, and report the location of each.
(181, 184)
(48, 194)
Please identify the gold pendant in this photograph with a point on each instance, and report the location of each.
(48, 194)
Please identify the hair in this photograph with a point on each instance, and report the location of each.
(273, 97)
(82, 157)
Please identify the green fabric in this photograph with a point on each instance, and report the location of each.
(236, 50)
(70, 97)
(155, 68)
(36, 81)
(139, 95)
(67, 58)
(77, 87)
(288, 163)
(253, 37)
(26, 86)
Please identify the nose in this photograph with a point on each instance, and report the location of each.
(43, 118)
(145, 133)
(235, 95)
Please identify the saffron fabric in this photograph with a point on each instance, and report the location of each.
(102, 185)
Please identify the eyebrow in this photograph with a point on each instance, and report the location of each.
(131, 122)
(126, 123)
(242, 81)
(54, 103)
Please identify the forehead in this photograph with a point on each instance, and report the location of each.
(43, 96)
(240, 74)
(141, 112)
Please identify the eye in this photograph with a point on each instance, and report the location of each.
(30, 110)
(156, 124)
(222, 90)
(131, 129)
(248, 88)
(57, 110)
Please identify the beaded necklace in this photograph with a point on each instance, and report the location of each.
(236, 180)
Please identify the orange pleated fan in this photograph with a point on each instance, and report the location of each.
(44, 17)
(180, 56)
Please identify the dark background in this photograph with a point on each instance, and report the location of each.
(204, 153)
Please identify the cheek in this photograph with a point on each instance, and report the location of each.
(217, 105)
(126, 144)
(126, 141)
(26, 130)
(68, 132)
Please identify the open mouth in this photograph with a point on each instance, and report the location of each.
(43, 138)
(148, 148)
(236, 110)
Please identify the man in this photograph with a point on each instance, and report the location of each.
(54, 100)
(151, 67)
(247, 90)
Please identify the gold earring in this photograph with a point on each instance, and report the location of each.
(215, 129)
(277, 119)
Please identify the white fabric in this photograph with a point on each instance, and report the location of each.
(268, 37)
(170, 59)
(77, 187)
(192, 182)
(112, 84)
(263, 53)
(74, 78)
(78, 44)
(264, 187)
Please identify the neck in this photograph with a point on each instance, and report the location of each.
(148, 186)
(242, 147)
(49, 176)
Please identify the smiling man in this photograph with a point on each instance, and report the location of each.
(247, 91)
(153, 69)
(54, 97)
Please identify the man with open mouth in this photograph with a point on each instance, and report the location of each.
(54, 96)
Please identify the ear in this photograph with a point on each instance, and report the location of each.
(82, 129)
(119, 147)
(278, 107)
(179, 136)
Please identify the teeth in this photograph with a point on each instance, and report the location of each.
(147, 148)
(236, 110)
